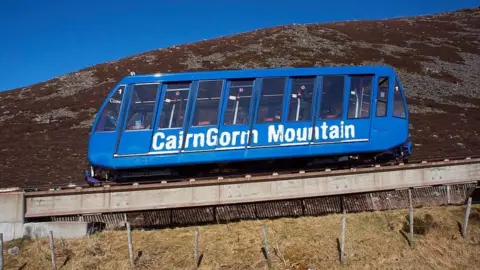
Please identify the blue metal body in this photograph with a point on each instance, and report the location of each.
(187, 143)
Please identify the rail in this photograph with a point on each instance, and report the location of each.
(235, 176)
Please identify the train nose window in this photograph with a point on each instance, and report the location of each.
(109, 117)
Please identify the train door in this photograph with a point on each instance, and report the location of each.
(168, 136)
(138, 120)
(340, 121)
(299, 112)
(328, 120)
(360, 93)
(268, 127)
(381, 123)
(236, 117)
(202, 130)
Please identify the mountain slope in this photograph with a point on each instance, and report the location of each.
(45, 127)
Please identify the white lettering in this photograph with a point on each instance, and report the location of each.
(244, 138)
(235, 135)
(224, 139)
(156, 146)
(324, 131)
(255, 136)
(171, 142)
(212, 138)
(290, 135)
(302, 134)
(275, 136)
(350, 128)
(116, 101)
(199, 139)
(333, 132)
(189, 136)
(180, 139)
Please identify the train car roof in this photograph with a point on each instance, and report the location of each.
(250, 73)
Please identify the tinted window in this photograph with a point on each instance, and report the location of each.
(142, 104)
(174, 105)
(301, 99)
(207, 103)
(382, 96)
(398, 102)
(271, 100)
(359, 96)
(109, 116)
(238, 102)
(331, 106)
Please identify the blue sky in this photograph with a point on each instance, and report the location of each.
(40, 40)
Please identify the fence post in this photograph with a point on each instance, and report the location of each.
(1, 251)
(130, 245)
(265, 246)
(52, 251)
(195, 249)
(342, 241)
(412, 242)
(465, 219)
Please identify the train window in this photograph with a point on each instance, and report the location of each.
(331, 106)
(271, 100)
(174, 105)
(238, 102)
(398, 102)
(109, 116)
(359, 96)
(382, 96)
(142, 105)
(301, 99)
(207, 103)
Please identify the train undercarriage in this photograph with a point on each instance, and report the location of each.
(178, 173)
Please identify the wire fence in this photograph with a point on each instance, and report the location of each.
(415, 226)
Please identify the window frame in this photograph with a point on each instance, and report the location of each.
(259, 90)
(192, 109)
(373, 82)
(188, 107)
(319, 90)
(226, 93)
(313, 106)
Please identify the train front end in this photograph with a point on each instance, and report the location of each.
(104, 136)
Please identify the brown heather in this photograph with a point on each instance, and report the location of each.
(45, 127)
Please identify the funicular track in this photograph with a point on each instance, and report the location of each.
(262, 195)
(260, 174)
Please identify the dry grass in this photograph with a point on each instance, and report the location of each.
(373, 240)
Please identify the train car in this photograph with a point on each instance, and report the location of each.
(162, 124)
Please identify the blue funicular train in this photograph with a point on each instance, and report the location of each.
(173, 123)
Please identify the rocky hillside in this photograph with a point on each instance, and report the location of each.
(45, 127)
